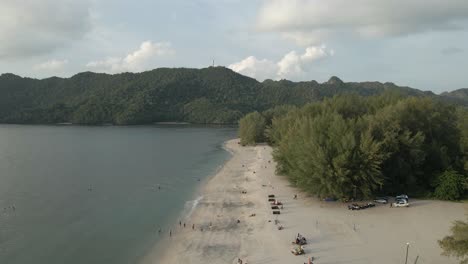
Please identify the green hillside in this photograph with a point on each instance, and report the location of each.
(210, 95)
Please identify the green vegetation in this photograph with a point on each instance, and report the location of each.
(251, 128)
(456, 244)
(450, 186)
(211, 95)
(350, 145)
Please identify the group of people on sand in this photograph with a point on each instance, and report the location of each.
(183, 224)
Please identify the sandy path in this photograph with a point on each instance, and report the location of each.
(335, 234)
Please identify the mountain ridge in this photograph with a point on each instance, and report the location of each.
(208, 95)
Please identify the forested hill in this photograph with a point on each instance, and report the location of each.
(209, 95)
(459, 96)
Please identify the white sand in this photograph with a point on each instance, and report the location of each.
(335, 234)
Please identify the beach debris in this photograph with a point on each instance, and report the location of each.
(298, 251)
(300, 240)
(355, 206)
(276, 212)
(276, 202)
(295, 197)
(252, 215)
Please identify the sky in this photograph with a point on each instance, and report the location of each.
(417, 43)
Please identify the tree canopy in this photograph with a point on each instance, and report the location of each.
(456, 244)
(352, 145)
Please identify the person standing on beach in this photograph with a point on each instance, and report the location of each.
(184, 224)
(170, 233)
(180, 223)
(193, 226)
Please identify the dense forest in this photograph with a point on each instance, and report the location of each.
(210, 95)
(355, 146)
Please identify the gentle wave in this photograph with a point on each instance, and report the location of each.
(191, 205)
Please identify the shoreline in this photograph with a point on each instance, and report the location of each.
(164, 242)
(334, 234)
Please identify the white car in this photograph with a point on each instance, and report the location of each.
(401, 203)
(402, 196)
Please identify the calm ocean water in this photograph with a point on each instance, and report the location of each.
(90, 194)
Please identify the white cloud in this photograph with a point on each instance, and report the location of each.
(291, 66)
(31, 27)
(309, 21)
(51, 65)
(316, 53)
(137, 60)
(255, 68)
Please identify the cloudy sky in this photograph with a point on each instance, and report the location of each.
(419, 43)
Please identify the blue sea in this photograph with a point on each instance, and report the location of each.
(96, 195)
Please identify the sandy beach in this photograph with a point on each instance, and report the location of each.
(334, 233)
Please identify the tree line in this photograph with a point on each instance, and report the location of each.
(354, 146)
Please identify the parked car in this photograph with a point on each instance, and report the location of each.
(402, 196)
(401, 203)
(382, 200)
(401, 199)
